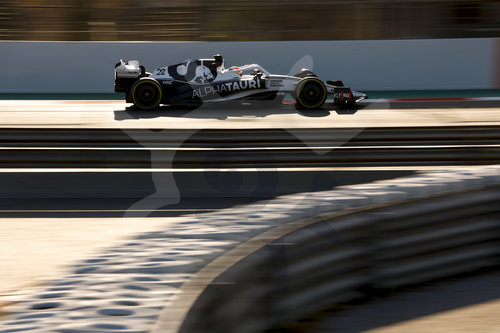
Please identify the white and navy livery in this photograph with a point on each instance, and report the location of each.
(193, 82)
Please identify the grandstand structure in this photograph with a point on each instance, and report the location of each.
(241, 20)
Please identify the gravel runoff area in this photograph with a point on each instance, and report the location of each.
(124, 286)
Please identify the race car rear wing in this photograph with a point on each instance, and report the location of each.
(128, 69)
(126, 73)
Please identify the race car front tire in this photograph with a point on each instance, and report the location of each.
(310, 93)
(146, 93)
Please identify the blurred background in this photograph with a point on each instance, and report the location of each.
(241, 20)
(82, 156)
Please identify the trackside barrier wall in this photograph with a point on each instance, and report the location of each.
(344, 244)
(87, 67)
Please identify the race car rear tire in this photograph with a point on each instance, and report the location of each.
(310, 93)
(146, 93)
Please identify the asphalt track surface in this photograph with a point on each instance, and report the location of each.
(118, 115)
(230, 184)
(464, 303)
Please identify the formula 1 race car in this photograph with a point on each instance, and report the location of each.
(194, 82)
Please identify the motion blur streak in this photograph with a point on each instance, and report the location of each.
(157, 20)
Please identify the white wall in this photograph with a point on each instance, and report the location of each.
(364, 65)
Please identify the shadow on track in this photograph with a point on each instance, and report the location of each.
(224, 111)
(412, 303)
(348, 110)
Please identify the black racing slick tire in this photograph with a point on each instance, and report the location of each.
(310, 93)
(146, 93)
